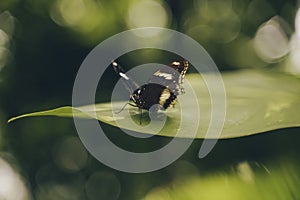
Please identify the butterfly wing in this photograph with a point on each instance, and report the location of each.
(130, 85)
(171, 77)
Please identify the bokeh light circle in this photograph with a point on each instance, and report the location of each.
(99, 59)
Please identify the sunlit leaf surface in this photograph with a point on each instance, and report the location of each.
(256, 102)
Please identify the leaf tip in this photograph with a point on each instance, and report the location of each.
(14, 118)
(11, 119)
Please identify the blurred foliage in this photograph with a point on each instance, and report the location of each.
(243, 181)
(43, 43)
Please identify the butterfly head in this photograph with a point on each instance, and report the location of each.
(135, 97)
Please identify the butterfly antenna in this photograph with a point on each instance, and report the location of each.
(122, 108)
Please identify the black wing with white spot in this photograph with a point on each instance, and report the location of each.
(130, 85)
(171, 77)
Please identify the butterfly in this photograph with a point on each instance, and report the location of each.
(162, 88)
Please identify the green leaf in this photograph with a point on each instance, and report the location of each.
(257, 101)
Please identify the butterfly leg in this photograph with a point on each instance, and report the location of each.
(141, 115)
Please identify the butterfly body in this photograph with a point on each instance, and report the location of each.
(153, 94)
(162, 88)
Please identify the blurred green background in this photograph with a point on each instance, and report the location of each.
(42, 45)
